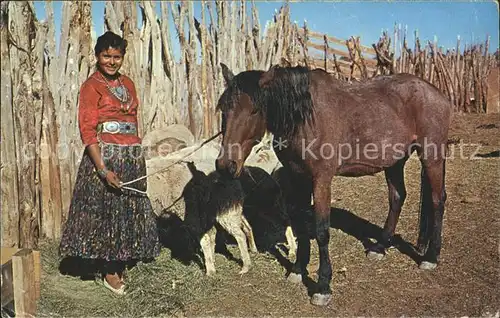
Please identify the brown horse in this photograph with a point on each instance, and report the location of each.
(324, 127)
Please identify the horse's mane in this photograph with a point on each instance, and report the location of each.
(286, 102)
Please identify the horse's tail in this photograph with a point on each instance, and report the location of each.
(424, 213)
(426, 216)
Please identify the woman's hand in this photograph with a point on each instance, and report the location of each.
(113, 180)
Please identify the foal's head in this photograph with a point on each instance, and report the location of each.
(243, 120)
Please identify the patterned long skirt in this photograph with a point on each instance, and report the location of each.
(108, 224)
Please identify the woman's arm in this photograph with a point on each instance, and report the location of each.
(87, 121)
(94, 152)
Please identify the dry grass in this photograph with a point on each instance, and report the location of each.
(465, 283)
(165, 287)
(151, 290)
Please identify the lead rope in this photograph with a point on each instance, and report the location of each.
(123, 184)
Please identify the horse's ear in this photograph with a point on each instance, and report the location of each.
(266, 78)
(226, 72)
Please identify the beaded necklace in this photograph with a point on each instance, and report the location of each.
(120, 92)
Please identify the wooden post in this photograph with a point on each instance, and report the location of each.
(294, 44)
(178, 13)
(111, 18)
(10, 194)
(52, 213)
(394, 49)
(241, 37)
(85, 41)
(457, 78)
(68, 89)
(281, 35)
(485, 72)
(21, 25)
(204, 69)
(37, 272)
(132, 62)
(191, 72)
(403, 56)
(325, 54)
(39, 105)
(7, 290)
(50, 46)
(26, 279)
(303, 41)
(250, 52)
(222, 33)
(51, 217)
(214, 67)
(169, 65)
(221, 54)
(233, 36)
(256, 33)
(158, 109)
(360, 59)
(467, 78)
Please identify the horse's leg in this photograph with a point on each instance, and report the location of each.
(435, 176)
(322, 208)
(300, 200)
(397, 194)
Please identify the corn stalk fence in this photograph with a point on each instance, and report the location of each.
(461, 74)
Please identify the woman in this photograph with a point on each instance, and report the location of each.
(106, 223)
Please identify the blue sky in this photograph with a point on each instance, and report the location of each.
(472, 20)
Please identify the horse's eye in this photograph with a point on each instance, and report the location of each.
(254, 111)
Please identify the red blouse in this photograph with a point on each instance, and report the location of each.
(97, 105)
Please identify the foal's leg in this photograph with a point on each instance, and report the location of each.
(282, 207)
(290, 239)
(435, 172)
(247, 229)
(231, 222)
(322, 207)
(397, 194)
(207, 243)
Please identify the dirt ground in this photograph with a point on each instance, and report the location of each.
(464, 284)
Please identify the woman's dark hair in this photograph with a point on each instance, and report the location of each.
(110, 39)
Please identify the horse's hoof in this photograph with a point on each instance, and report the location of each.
(427, 265)
(294, 278)
(374, 256)
(321, 299)
(244, 270)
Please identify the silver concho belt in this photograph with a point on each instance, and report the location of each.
(117, 127)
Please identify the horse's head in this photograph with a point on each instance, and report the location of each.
(243, 122)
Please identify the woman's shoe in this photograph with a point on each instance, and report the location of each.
(118, 291)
